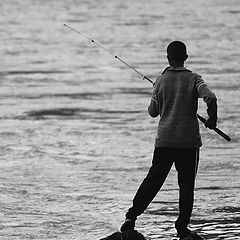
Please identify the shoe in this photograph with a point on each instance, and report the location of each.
(128, 225)
(191, 236)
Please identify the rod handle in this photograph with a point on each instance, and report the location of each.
(217, 130)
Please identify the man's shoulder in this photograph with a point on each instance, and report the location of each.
(176, 70)
(167, 73)
(197, 78)
(181, 72)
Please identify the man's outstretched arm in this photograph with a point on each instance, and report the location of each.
(153, 108)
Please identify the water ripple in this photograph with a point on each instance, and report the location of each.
(83, 113)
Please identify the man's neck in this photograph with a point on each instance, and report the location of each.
(176, 64)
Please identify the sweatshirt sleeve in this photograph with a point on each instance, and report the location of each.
(208, 97)
(153, 108)
(203, 90)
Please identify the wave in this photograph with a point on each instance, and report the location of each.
(83, 113)
(135, 91)
(227, 209)
(84, 95)
(30, 72)
(233, 11)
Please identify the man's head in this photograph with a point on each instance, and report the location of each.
(177, 52)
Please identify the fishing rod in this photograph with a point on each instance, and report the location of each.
(217, 130)
(110, 52)
(202, 119)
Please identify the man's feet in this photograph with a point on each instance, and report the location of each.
(191, 236)
(128, 225)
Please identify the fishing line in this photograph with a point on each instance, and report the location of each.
(110, 52)
(217, 130)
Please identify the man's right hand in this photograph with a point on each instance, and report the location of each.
(210, 123)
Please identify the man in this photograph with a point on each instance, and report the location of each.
(175, 99)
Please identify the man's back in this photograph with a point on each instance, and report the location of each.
(176, 96)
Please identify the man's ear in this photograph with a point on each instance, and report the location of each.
(169, 59)
(186, 57)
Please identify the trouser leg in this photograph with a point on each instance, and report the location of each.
(186, 165)
(154, 180)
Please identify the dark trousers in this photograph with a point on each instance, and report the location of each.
(186, 163)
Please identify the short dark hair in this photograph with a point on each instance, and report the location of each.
(177, 51)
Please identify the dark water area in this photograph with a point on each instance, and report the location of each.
(75, 136)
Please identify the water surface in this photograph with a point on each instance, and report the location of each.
(76, 139)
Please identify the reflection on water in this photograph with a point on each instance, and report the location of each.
(76, 139)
